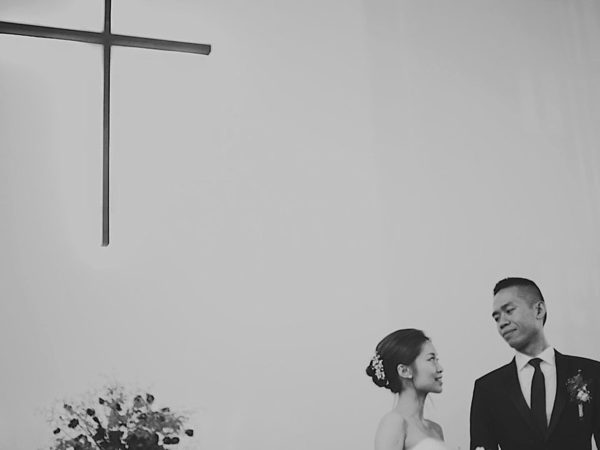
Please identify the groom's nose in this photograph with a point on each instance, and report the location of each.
(502, 321)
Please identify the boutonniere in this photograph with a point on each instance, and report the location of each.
(579, 391)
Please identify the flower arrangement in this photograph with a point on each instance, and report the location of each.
(118, 422)
(579, 391)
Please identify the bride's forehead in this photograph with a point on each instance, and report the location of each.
(427, 348)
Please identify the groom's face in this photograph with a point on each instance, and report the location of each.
(516, 318)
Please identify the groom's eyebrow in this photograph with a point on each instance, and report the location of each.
(503, 307)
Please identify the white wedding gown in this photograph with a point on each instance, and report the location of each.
(430, 444)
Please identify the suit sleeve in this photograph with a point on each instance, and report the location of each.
(481, 425)
(596, 406)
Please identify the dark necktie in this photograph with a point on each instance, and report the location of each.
(538, 395)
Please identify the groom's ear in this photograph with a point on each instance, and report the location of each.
(540, 309)
(404, 371)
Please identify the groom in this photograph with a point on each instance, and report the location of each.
(542, 399)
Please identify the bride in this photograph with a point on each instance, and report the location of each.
(406, 363)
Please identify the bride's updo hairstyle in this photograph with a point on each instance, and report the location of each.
(400, 347)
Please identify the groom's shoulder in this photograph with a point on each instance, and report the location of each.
(497, 375)
(583, 362)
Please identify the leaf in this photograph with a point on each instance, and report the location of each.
(114, 437)
(100, 434)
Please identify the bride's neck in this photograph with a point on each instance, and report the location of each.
(410, 403)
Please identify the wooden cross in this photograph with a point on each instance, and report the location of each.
(107, 39)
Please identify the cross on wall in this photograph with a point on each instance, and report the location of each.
(107, 39)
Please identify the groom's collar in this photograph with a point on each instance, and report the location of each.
(548, 356)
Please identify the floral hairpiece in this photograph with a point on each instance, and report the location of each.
(377, 365)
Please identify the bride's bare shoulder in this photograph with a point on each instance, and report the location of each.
(437, 429)
(391, 431)
(393, 417)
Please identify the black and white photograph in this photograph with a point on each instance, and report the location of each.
(315, 225)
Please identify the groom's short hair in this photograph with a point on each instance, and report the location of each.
(528, 286)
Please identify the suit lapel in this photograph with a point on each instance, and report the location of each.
(562, 370)
(516, 396)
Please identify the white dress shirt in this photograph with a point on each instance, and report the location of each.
(525, 372)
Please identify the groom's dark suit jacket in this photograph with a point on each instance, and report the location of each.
(501, 418)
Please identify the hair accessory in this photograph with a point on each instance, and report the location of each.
(377, 365)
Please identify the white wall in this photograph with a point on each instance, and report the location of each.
(331, 172)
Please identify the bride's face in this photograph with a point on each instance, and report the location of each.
(427, 371)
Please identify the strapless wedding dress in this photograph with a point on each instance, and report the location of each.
(431, 444)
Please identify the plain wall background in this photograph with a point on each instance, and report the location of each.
(333, 171)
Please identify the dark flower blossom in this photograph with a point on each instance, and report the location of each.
(90, 412)
(101, 401)
(138, 401)
(118, 407)
(189, 432)
(82, 440)
(73, 423)
(56, 431)
(150, 398)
